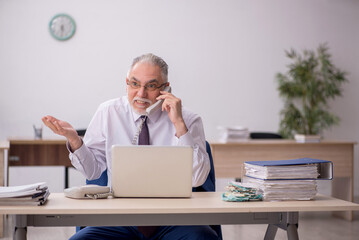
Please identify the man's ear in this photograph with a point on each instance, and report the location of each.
(126, 84)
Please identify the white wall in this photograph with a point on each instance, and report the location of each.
(223, 56)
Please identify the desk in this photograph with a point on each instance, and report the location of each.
(228, 159)
(203, 208)
(4, 146)
(39, 152)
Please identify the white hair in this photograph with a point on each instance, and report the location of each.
(152, 59)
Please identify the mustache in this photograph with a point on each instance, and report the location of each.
(141, 99)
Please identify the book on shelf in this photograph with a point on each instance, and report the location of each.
(25, 194)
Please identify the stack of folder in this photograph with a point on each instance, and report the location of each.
(287, 179)
(31, 194)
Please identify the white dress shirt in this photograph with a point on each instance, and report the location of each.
(116, 123)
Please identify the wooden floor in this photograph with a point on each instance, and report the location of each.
(318, 226)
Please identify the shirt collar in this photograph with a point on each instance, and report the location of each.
(153, 117)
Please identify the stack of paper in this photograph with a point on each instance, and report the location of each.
(308, 171)
(233, 134)
(280, 190)
(36, 193)
(287, 179)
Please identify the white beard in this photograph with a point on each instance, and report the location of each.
(142, 111)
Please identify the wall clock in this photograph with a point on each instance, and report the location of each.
(62, 27)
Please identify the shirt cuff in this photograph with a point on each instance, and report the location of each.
(185, 140)
(79, 155)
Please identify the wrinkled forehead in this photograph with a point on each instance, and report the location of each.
(145, 72)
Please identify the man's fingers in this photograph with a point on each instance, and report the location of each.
(165, 95)
(49, 124)
(53, 124)
(44, 120)
(160, 97)
(169, 103)
(59, 128)
(53, 128)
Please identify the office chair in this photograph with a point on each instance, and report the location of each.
(81, 132)
(208, 186)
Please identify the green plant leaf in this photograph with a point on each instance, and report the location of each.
(311, 80)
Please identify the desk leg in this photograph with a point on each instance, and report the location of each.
(20, 227)
(66, 177)
(342, 188)
(271, 232)
(289, 224)
(292, 232)
(292, 225)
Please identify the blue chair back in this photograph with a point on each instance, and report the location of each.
(208, 186)
(101, 181)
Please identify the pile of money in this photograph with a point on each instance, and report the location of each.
(237, 192)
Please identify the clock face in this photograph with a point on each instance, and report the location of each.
(62, 27)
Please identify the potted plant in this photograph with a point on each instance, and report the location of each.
(311, 80)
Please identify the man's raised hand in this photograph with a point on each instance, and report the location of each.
(64, 129)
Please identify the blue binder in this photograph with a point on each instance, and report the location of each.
(325, 168)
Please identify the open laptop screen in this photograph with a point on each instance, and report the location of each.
(152, 171)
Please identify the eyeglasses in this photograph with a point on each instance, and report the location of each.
(149, 86)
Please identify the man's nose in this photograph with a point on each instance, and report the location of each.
(142, 92)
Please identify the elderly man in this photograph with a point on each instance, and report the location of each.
(116, 122)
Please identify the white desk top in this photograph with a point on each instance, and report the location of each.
(200, 202)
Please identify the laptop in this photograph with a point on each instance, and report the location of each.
(152, 171)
